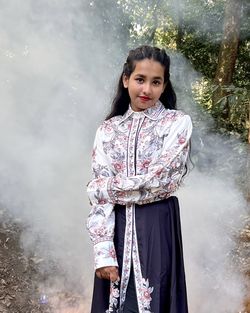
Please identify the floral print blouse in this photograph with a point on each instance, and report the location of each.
(138, 158)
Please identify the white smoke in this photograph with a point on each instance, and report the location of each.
(212, 207)
(212, 212)
(53, 83)
(51, 97)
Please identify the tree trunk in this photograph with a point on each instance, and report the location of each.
(249, 123)
(228, 52)
(180, 25)
(248, 162)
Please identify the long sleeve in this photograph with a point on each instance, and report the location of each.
(163, 176)
(101, 220)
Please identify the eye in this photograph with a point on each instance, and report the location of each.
(156, 82)
(139, 80)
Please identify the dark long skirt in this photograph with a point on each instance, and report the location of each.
(159, 240)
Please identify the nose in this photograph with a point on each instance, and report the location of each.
(147, 89)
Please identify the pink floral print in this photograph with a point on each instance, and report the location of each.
(138, 158)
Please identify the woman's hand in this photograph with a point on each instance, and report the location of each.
(108, 272)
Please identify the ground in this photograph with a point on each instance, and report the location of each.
(19, 276)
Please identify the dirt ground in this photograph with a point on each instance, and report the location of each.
(19, 276)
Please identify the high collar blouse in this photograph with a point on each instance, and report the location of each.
(137, 158)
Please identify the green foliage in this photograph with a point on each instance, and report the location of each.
(236, 103)
(202, 53)
(195, 28)
(146, 18)
(241, 76)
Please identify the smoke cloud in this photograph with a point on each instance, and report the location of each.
(55, 89)
(213, 207)
(52, 95)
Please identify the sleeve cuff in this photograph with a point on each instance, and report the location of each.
(98, 190)
(104, 254)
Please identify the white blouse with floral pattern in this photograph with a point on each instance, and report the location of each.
(138, 158)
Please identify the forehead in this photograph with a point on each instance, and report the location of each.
(149, 67)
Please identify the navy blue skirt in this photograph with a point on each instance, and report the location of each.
(160, 249)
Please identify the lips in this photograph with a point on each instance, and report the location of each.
(144, 98)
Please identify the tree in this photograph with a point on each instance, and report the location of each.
(180, 30)
(214, 36)
(228, 53)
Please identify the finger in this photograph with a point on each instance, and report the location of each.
(98, 274)
(104, 273)
(114, 276)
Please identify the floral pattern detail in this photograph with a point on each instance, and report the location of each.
(137, 158)
(142, 285)
(127, 253)
(158, 148)
(114, 297)
(146, 294)
(105, 254)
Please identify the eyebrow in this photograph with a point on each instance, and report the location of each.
(156, 77)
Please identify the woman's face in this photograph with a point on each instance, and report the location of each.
(145, 85)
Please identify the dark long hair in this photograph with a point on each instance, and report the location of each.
(121, 100)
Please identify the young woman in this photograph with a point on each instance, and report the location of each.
(138, 162)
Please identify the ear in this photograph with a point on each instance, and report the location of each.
(125, 80)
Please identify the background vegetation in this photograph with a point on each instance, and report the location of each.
(214, 37)
(212, 34)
